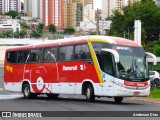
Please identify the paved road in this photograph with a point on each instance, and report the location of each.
(14, 102)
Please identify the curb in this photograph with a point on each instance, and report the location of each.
(145, 99)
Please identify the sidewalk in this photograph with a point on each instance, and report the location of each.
(145, 99)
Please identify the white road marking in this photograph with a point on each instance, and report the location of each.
(6, 97)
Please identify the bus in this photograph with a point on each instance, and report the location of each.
(94, 66)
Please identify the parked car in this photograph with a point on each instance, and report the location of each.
(154, 77)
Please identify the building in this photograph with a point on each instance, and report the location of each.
(1, 6)
(28, 7)
(37, 9)
(109, 5)
(89, 13)
(8, 23)
(8, 5)
(132, 1)
(89, 2)
(33, 8)
(73, 13)
(52, 13)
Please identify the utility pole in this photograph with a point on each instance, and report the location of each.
(98, 12)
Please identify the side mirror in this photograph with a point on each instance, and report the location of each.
(115, 53)
(152, 58)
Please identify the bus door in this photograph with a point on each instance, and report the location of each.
(107, 73)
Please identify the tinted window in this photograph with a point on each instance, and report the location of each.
(97, 46)
(12, 57)
(35, 55)
(22, 56)
(50, 54)
(82, 52)
(65, 53)
(107, 65)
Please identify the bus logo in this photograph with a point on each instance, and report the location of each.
(82, 67)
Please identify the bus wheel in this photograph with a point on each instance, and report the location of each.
(118, 99)
(90, 93)
(27, 93)
(52, 95)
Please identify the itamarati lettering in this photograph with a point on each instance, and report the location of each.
(71, 68)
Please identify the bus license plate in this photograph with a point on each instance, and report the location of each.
(136, 93)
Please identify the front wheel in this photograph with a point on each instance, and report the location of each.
(118, 99)
(27, 93)
(90, 93)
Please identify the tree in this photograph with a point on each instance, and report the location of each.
(146, 11)
(40, 26)
(6, 34)
(69, 31)
(20, 34)
(12, 13)
(24, 25)
(36, 33)
(51, 28)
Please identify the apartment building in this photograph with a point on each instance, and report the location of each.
(1, 6)
(73, 13)
(52, 13)
(109, 5)
(8, 5)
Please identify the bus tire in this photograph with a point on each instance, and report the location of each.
(89, 92)
(52, 95)
(118, 99)
(27, 92)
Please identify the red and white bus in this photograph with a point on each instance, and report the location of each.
(95, 66)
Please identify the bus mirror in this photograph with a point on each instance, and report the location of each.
(151, 58)
(115, 53)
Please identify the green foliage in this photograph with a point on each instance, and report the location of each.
(36, 33)
(69, 31)
(24, 25)
(40, 26)
(155, 93)
(6, 34)
(12, 13)
(145, 10)
(20, 34)
(156, 50)
(52, 28)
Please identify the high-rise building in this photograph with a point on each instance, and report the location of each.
(52, 13)
(28, 6)
(132, 1)
(108, 6)
(33, 8)
(1, 6)
(36, 9)
(89, 2)
(73, 13)
(8, 5)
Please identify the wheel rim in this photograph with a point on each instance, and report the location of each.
(88, 93)
(26, 91)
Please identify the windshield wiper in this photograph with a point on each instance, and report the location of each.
(134, 70)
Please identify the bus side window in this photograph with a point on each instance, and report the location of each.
(65, 53)
(20, 57)
(50, 54)
(82, 52)
(35, 55)
(12, 57)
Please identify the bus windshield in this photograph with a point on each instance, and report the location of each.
(133, 64)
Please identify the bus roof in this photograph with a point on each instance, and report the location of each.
(81, 39)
